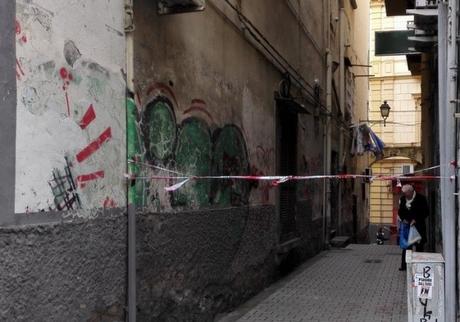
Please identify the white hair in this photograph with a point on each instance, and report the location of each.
(407, 188)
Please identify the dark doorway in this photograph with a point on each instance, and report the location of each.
(334, 196)
(287, 142)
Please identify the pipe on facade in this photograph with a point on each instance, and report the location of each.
(327, 149)
(327, 129)
(447, 80)
(342, 26)
(131, 211)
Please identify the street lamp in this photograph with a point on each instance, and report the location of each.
(385, 111)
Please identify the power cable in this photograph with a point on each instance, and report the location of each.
(290, 70)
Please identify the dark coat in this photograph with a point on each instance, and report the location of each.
(419, 212)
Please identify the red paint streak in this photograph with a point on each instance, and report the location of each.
(90, 176)
(89, 116)
(66, 77)
(67, 103)
(19, 70)
(162, 87)
(199, 105)
(19, 67)
(138, 95)
(109, 203)
(63, 72)
(23, 37)
(95, 145)
(18, 27)
(198, 101)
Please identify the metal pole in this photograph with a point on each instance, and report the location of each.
(327, 127)
(446, 154)
(131, 263)
(342, 26)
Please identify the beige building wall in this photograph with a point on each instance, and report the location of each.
(393, 82)
(383, 202)
(358, 53)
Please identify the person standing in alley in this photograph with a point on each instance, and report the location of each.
(413, 210)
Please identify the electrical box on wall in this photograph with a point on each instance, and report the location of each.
(167, 7)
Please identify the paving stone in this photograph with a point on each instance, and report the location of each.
(359, 283)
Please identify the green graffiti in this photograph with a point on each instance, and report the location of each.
(191, 149)
(159, 129)
(136, 189)
(230, 158)
(193, 156)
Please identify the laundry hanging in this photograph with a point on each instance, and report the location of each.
(364, 139)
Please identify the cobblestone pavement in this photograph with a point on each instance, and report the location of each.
(357, 283)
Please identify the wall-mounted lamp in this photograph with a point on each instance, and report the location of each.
(385, 111)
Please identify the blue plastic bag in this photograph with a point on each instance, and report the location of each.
(404, 235)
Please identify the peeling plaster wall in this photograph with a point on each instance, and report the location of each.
(70, 138)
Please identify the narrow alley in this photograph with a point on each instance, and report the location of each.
(229, 160)
(359, 283)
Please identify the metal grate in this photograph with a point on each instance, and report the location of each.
(288, 162)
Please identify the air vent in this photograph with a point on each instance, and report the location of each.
(167, 7)
(407, 168)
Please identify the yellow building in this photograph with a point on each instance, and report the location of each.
(392, 82)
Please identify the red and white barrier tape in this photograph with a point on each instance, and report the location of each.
(276, 180)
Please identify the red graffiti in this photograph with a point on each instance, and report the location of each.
(18, 27)
(19, 70)
(21, 37)
(199, 105)
(82, 179)
(89, 116)
(95, 145)
(162, 89)
(109, 203)
(66, 78)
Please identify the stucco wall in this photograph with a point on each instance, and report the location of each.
(68, 271)
(193, 265)
(70, 134)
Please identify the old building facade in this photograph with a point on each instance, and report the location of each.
(110, 102)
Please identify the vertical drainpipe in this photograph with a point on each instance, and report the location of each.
(451, 248)
(342, 26)
(327, 130)
(447, 80)
(129, 28)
